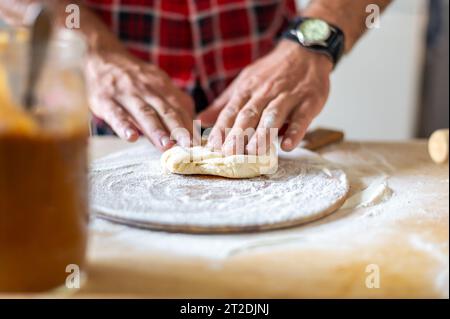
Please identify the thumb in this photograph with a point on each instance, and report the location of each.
(209, 116)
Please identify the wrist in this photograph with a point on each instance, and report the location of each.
(104, 44)
(99, 38)
(104, 57)
(295, 51)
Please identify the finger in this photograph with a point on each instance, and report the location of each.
(182, 101)
(272, 119)
(148, 120)
(176, 98)
(161, 85)
(116, 117)
(226, 119)
(209, 116)
(283, 129)
(185, 105)
(157, 89)
(244, 126)
(179, 126)
(298, 124)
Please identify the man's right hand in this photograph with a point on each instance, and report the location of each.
(133, 96)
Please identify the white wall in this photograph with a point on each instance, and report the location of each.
(376, 88)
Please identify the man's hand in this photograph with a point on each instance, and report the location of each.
(290, 84)
(132, 96)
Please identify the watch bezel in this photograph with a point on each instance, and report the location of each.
(304, 41)
(333, 46)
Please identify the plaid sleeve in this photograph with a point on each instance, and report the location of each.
(197, 41)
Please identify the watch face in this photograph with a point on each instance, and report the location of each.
(314, 31)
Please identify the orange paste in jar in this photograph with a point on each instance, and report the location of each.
(43, 201)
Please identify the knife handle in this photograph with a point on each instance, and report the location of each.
(321, 137)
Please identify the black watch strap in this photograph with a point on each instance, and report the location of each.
(335, 44)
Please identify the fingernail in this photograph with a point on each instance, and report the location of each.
(287, 143)
(165, 140)
(129, 133)
(269, 121)
(184, 141)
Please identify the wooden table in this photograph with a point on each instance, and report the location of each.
(397, 248)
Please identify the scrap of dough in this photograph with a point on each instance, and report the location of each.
(201, 160)
(377, 192)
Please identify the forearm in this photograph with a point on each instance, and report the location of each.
(349, 15)
(97, 35)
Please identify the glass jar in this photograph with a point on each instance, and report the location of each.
(43, 165)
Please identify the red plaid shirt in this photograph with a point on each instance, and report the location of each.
(197, 42)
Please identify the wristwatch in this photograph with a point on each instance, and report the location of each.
(319, 36)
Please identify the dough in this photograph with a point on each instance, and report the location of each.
(201, 160)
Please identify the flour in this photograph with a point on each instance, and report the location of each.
(304, 188)
(402, 218)
(438, 253)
